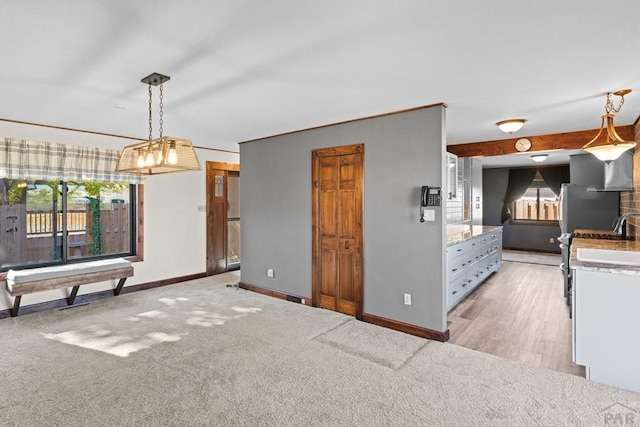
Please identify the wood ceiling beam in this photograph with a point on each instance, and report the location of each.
(554, 141)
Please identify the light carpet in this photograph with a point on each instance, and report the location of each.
(380, 345)
(201, 354)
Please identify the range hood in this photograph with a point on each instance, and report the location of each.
(618, 174)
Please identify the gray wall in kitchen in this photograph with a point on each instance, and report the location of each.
(586, 169)
(403, 151)
(528, 237)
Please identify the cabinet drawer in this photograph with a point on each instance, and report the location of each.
(455, 251)
(456, 266)
(459, 249)
(483, 266)
(456, 290)
(472, 275)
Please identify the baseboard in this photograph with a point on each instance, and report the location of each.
(541, 251)
(275, 294)
(369, 318)
(86, 298)
(407, 328)
(164, 282)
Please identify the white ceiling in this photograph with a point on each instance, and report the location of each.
(245, 69)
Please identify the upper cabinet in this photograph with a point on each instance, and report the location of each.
(476, 190)
(464, 190)
(451, 165)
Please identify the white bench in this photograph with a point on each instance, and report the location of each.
(22, 282)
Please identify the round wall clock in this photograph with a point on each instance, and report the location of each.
(523, 144)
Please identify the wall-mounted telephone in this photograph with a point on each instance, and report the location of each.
(429, 196)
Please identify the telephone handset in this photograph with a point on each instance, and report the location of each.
(429, 196)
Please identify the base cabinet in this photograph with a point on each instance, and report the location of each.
(470, 262)
(605, 327)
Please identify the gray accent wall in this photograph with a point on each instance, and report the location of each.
(520, 236)
(586, 169)
(402, 152)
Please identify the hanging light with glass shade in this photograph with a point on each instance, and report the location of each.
(607, 144)
(162, 155)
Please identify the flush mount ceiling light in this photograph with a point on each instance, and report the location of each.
(539, 157)
(162, 155)
(510, 126)
(608, 145)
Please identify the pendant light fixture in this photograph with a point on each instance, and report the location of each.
(162, 155)
(610, 146)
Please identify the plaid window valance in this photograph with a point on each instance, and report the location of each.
(33, 160)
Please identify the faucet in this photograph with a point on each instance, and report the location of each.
(620, 226)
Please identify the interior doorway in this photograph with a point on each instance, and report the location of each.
(337, 176)
(223, 217)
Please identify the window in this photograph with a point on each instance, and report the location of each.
(54, 222)
(538, 204)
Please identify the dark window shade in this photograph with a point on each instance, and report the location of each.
(555, 176)
(519, 182)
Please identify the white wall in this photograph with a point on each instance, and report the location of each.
(174, 227)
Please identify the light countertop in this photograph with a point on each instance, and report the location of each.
(618, 245)
(457, 233)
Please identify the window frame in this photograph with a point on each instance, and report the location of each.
(136, 244)
(538, 184)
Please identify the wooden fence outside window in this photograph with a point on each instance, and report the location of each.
(527, 210)
(31, 236)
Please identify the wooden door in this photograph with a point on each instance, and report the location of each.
(337, 229)
(217, 205)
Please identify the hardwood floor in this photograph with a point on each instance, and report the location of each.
(519, 313)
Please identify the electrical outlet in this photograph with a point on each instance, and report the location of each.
(551, 240)
(407, 299)
(271, 273)
(302, 301)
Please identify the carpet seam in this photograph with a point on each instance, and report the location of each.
(332, 329)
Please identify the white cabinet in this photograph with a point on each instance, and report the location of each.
(476, 192)
(606, 338)
(470, 172)
(471, 189)
(470, 262)
(451, 165)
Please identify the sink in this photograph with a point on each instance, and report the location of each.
(609, 256)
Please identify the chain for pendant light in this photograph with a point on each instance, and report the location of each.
(609, 106)
(161, 112)
(150, 118)
(151, 111)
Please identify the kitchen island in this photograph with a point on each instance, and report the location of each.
(606, 312)
(473, 253)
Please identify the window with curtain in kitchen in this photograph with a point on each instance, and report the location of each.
(538, 204)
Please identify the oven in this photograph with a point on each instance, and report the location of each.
(565, 240)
